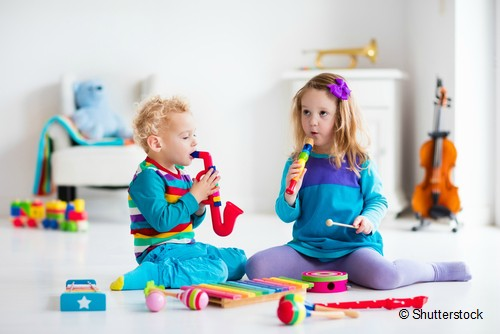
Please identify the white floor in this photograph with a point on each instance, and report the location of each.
(37, 263)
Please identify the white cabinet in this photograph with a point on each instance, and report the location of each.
(377, 92)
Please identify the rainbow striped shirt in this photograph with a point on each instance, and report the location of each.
(161, 208)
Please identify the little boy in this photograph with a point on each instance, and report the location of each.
(165, 205)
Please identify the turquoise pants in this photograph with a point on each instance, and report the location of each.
(191, 264)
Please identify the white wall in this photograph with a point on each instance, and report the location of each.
(446, 40)
(475, 107)
(430, 54)
(497, 117)
(226, 56)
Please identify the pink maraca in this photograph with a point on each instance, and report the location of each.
(155, 300)
(193, 298)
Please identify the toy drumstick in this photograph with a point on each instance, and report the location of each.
(303, 157)
(293, 313)
(330, 222)
(292, 310)
(321, 308)
(389, 303)
(195, 299)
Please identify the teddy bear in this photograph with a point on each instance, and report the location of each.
(93, 117)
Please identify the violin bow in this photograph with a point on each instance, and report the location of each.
(389, 303)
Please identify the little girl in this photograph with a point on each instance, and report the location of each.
(340, 183)
(166, 206)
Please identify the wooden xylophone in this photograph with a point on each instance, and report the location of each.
(245, 292)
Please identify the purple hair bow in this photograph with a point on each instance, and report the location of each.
(340, 89)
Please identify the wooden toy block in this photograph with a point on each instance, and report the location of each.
(82, 295)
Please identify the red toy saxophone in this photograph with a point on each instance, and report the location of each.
(231, 211)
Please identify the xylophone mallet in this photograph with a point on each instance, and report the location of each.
(330, 222)
(321, 308)
(292, 310)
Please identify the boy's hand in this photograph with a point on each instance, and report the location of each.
(363, 225)
(294, 172)
(201, 210)
(206, 186)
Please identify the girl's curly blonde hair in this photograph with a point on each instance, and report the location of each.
(350, 139)
(153, 115)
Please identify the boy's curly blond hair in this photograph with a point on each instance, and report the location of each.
(153, 115)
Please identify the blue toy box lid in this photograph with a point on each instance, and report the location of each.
(82, 295)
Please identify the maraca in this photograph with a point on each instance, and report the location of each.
(292, 310)
(195, 299)
(155, 300)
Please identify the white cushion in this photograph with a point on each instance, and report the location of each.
(96, 165)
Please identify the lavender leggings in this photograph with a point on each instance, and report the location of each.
(364, 267)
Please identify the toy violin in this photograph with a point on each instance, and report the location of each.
(231, 211)
(436, 196)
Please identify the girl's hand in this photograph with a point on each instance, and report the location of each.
(363, 225)
(294, 171)
(206, 186)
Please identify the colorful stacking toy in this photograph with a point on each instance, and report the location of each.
(54, 215)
